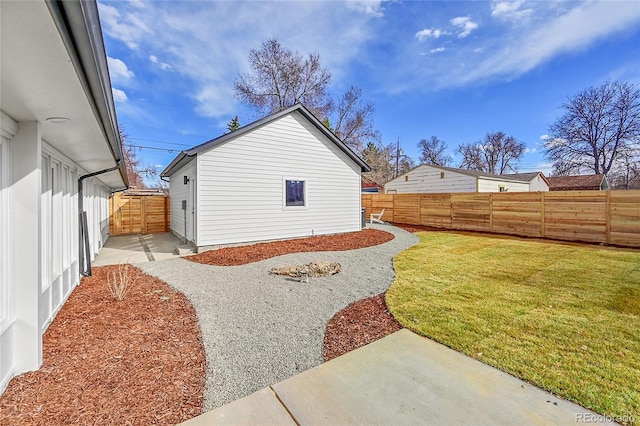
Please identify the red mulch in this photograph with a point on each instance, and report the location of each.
(137, 361)
(230, 256)
(358, 324)
(416, 228)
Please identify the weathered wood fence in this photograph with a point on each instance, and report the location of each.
(609, 217)
(138, 214)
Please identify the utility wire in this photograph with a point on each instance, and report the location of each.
(157, 141)
(170, 151)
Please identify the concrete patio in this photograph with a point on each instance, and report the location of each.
(401, 379)
(138, 248)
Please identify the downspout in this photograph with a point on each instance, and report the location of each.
(84, 255)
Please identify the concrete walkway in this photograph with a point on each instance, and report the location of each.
(137, 248)
(401, 379)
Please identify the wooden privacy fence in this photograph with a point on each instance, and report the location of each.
(610, 217)
(138, 214)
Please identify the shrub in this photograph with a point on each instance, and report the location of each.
(120, 280)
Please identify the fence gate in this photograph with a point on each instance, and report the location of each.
(138, 214)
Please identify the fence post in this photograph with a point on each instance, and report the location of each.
(491, 211)
(542, 214)
(451, 210)
(608, 217)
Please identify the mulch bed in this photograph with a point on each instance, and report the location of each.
(364, 321)
(358, 324)
(230, 256)
(416, 228)
(136, 361)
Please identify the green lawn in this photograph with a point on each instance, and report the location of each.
(564, 317)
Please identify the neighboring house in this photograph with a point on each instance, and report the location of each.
(579, 183)
(426, 179)
(283, 176)
(59, 130)
(370, 187)
(537, 180)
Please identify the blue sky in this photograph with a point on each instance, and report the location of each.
(451, 69)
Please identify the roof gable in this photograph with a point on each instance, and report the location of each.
(186, 156)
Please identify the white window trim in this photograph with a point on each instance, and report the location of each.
(284, 193)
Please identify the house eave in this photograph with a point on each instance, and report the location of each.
(79, 26)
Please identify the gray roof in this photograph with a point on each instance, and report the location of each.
(186, 156)
(522, 176)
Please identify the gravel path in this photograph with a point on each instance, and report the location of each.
(259, 329)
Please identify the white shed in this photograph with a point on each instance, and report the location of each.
(537, 180)
(426, 179)
(283, 176)
(60, 155)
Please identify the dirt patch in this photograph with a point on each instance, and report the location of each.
(242, 255)
(358, 324)
(136, 361)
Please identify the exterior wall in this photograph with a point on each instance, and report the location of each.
(39, 240)
(426, 179)
(178, 192)
(493, 185)
(537, 184)
(241, 185)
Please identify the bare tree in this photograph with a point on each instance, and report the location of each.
(496, 154)
(600, 126)
(380, 159)
(152, 174)
(626, 172)
(433, 151)
(280, 78)
(353, 120)
(131, 161)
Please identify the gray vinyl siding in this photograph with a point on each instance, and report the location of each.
(493, 185)
(178, 191)
(241, 185)
(427, 179)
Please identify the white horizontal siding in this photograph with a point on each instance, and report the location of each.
(537, 184)
(427, 179)
(178, 191)
(241, 191)
(493, 185)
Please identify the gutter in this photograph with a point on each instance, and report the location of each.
(84, 250)
(78, 23)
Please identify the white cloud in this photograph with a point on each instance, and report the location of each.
(437, 50)
(430, 33)
(560, 29)
(465, 24)
(509, 10)
(163, 65)
(207, 58)
(128, 28)
(544, 137)
(369, 7)
(530, 150)
(119, 71)
(119, 95)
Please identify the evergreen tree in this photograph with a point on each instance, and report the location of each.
(234, 124)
